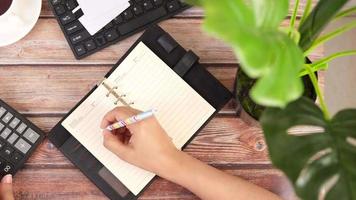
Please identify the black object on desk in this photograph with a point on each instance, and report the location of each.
(185, 63)
(137, 17)
(18, 139)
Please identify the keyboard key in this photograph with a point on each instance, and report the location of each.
(5, 133)
(14, 123)
(100, 40)
(60, 10)
(158, 2)
(79, 37)
(142, 20)
(12, 138)
(21, 128)
(56, 2)
(80, 50)
(137, 10)
(1, 126)
(173, 5)
(31, 135)
(2, 144)
(147, 5)
(16, 157)
(2, 111)
(7, 117)
(22, 146)
(90, 45)
(118, 20)
(6, 152)
(127, 14)
(67, 18)
(111, 35)
(108, 26)
(74, 27)
(71, 4)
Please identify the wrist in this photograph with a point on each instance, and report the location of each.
(170, 163)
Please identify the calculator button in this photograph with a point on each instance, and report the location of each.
(21, 128)
(16, 157)
(31, 135)
(7, 117)
(14, 123)
(6, 152)
(2, 111)
(2, 144)
(22, 146)
(1, 126)
(5, 168)
(5, 133)
(13, 138)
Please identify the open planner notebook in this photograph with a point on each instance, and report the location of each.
(142, 81)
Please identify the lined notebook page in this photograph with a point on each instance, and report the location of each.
(148, 82)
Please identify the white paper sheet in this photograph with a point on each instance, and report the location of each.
(98, 14)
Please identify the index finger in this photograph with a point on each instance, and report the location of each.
(116, 114)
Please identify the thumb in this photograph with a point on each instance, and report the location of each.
(115, 145)
(6, 188)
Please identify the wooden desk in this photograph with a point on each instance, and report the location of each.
(40, 77)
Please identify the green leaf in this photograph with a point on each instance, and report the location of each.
(264, 51)
(320, 160)
(322, 14)
(268, 13)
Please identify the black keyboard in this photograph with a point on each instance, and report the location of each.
(18, 139)
(136, 18)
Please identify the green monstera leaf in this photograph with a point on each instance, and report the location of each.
(265, 52)
(318, 155)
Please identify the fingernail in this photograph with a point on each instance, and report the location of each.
(7, 179)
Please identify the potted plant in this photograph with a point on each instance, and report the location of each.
(316, 151)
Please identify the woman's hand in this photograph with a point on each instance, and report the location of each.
(144, 144)
(6, 188)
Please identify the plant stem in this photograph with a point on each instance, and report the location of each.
(306, 11)
(322, 64)
(345, 13)
(294, 17)
(318, 91)
(321, 40)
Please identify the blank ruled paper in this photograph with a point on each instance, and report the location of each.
(148, 82)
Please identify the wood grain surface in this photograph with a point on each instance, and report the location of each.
(40, 77)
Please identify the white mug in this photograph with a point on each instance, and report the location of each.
(13, 18)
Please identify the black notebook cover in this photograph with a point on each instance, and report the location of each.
(186, 65)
